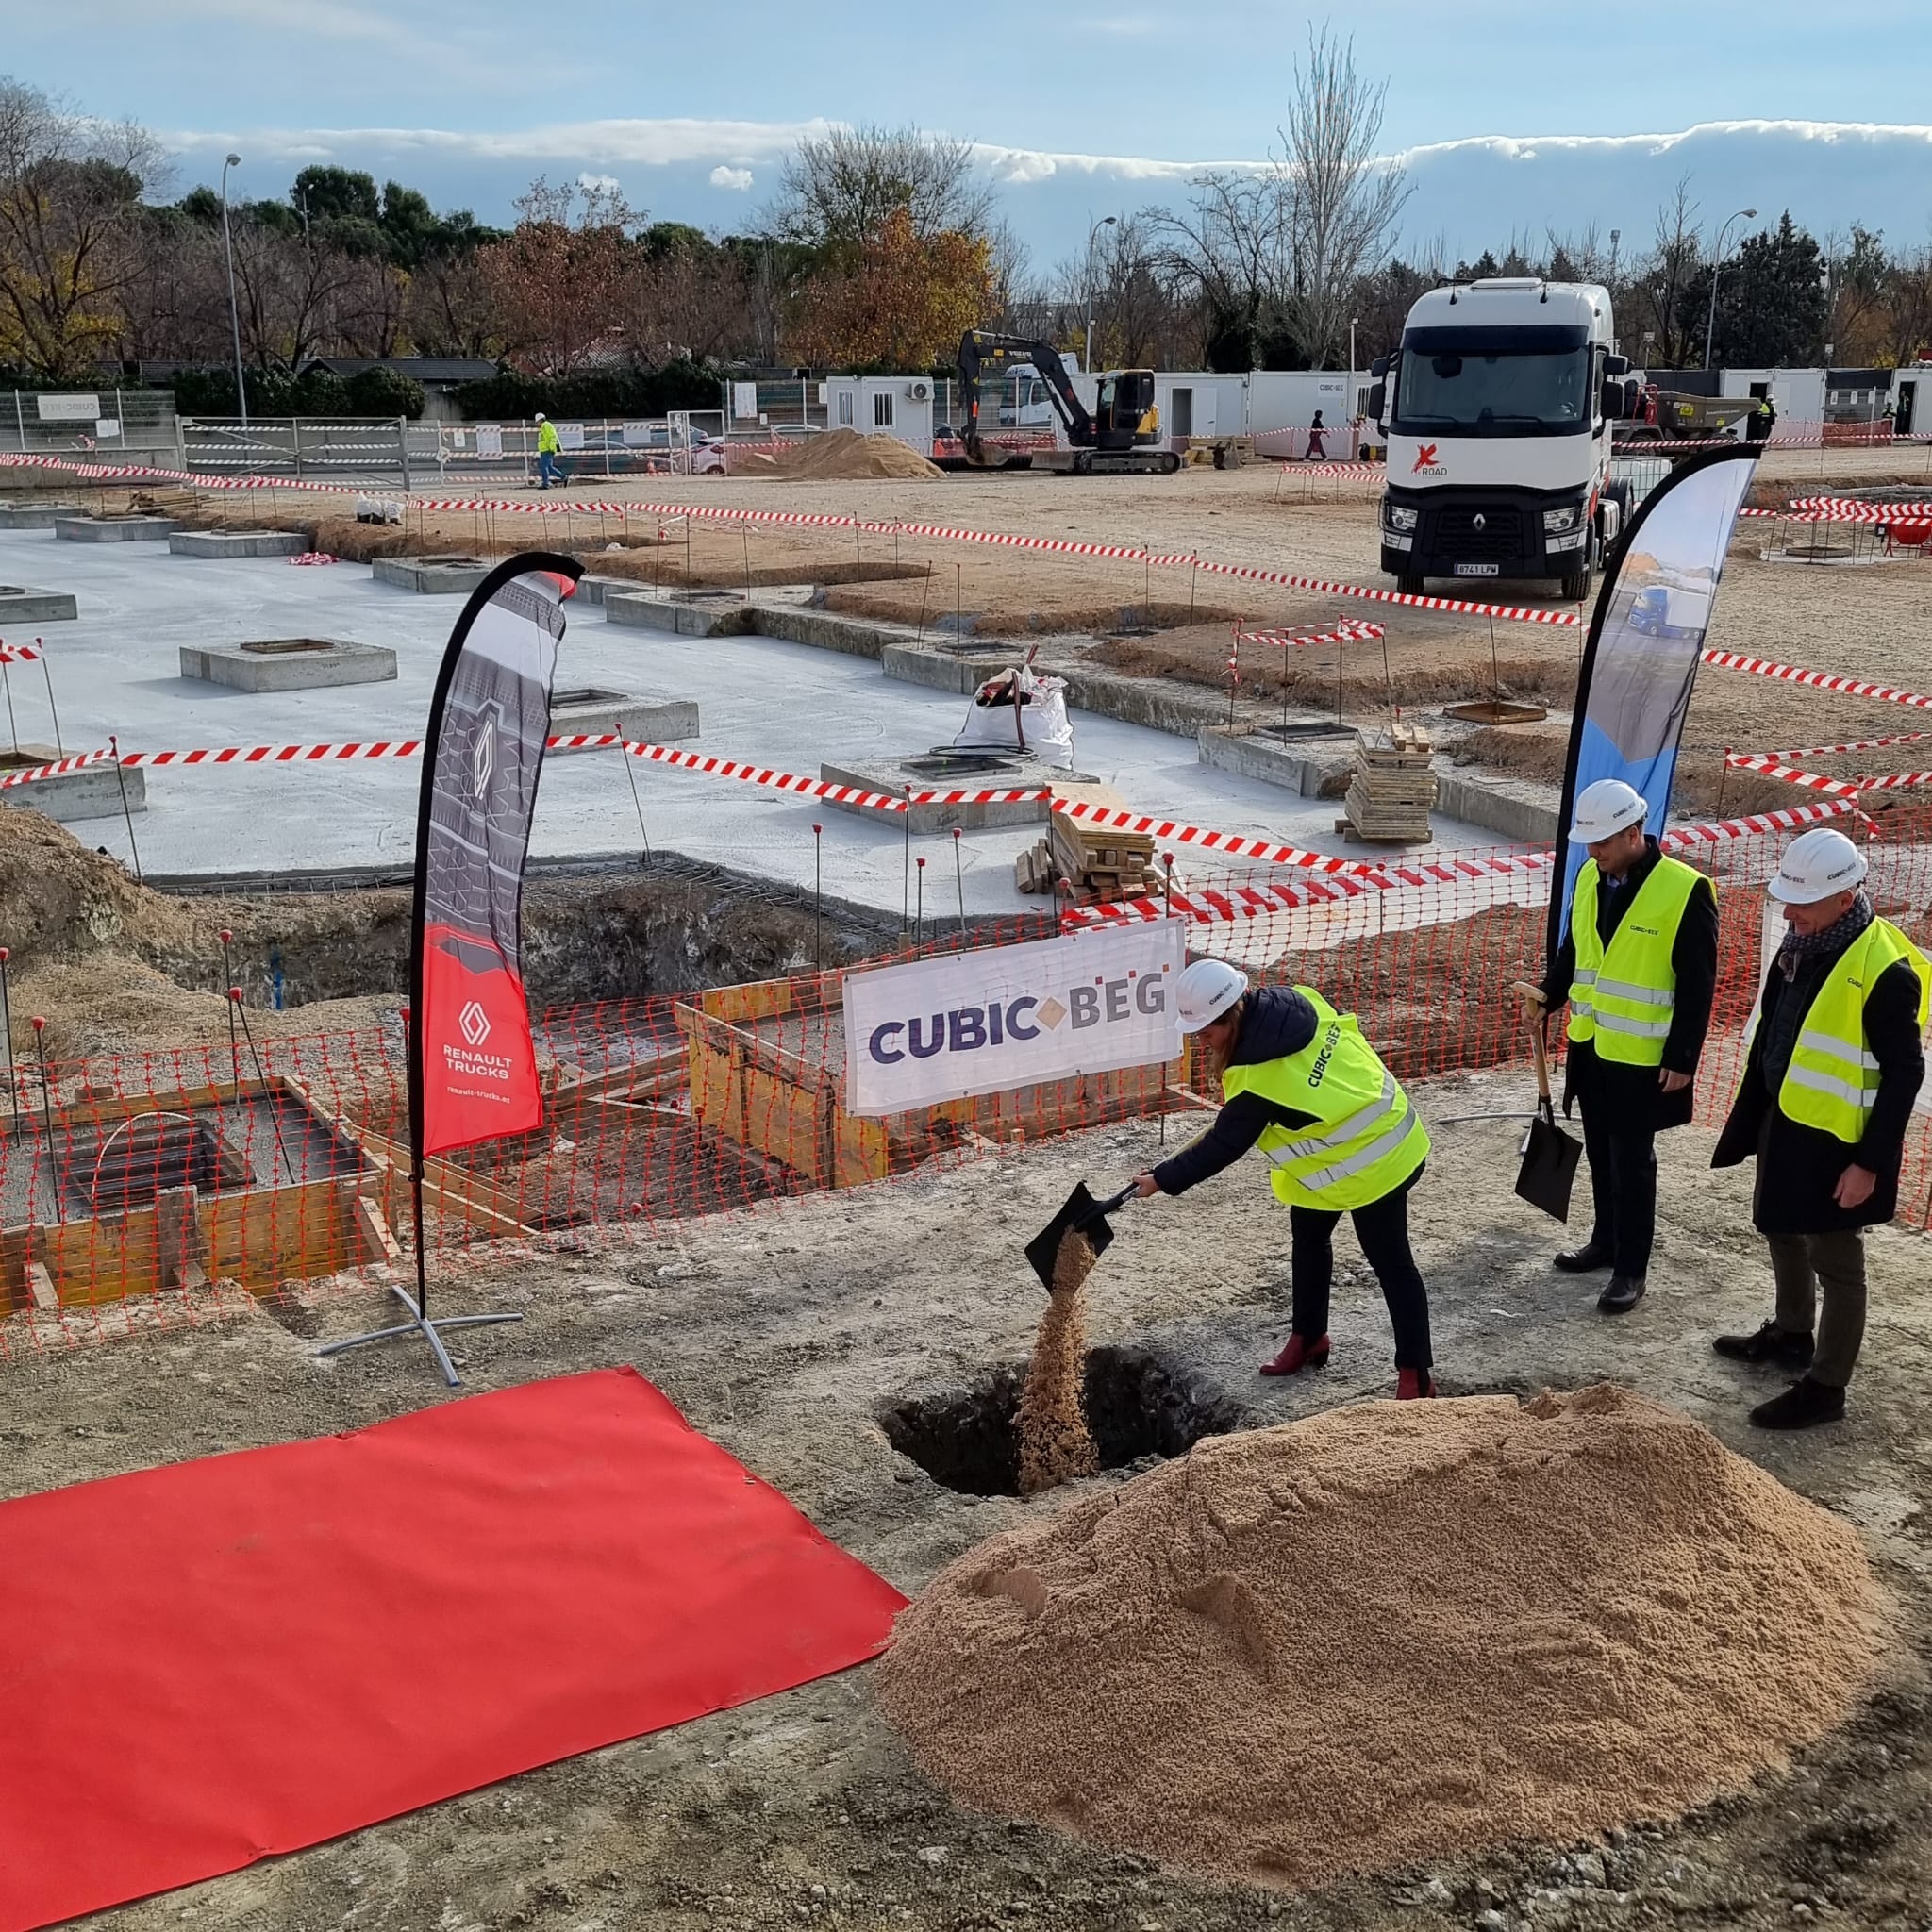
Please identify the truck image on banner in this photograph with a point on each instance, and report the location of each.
(982, 1022)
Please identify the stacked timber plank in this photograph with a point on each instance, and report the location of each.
(1391, 788)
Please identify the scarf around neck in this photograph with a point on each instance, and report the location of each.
(1833, 937)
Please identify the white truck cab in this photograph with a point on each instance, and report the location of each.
(1496, 412)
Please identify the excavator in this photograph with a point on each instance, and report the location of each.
(1120, 436)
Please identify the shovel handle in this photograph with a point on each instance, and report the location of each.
(1107, 1206)
(1542, 1062)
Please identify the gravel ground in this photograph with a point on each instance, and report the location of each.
(784, 1333)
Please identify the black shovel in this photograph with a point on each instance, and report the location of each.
(1549, 1155)
(1082, 1215)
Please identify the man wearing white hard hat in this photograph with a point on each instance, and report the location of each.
(1301, 1083)
(1833, 1067)
(1638, 968)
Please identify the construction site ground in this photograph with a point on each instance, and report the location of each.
(784, 1334)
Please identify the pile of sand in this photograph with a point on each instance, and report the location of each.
(59, 900)
(1391, 1633)
(1055, 1442)
(841, 455)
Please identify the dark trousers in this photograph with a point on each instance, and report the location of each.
(1382, 1227)
(1623, 1186)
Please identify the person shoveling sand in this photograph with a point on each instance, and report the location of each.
(1391, 1633)
(1054, 1444)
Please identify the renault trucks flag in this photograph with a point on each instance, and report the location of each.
(1645, 643)
(473, 1065)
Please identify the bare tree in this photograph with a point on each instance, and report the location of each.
(1662, 280)
(70, 215)
(1342, 202)
(837, 189)
(1232, 247)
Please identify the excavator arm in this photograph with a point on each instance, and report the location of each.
(982, 348)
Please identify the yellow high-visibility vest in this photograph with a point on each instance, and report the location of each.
(1621, 996)
(1366, 1140)
(1833, 1079)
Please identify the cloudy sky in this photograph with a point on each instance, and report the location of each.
(1514, 116)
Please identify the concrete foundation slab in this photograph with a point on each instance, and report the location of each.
(238, 544)
(433, 575)
(703, 615)
(956, 771)
(1517, 808)
(134, 529)
(288, 664)
(22, 604)
(1314, 763)
(939, 670)
(644, 717)
(36, 516)
(91, 793)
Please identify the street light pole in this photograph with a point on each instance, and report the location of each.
(234, 313)
(1092, 229)
(1743, 214)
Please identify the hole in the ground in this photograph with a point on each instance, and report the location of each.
(282, 647)
(1137, 1404)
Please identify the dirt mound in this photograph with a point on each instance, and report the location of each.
(844, 453)
(60, 901)
(1388, 1634)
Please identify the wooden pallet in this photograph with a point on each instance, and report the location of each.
(1391, 788)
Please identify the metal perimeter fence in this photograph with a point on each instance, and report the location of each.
(160, 1187)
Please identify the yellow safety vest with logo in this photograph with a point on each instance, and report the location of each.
(1832, 1080)
(1365, 1139)
(1621, 996)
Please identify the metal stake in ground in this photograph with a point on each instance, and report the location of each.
(746, 533)
(228, 979)
(924, 588)
(47, 1113)
(7, 683)
(818, 891)
(48, 672)
(274, 1117)
(905, 868)
(919, 916)
(960, 609)
(629, 751)
(127, 809)
(959, 880)
(7, 1027)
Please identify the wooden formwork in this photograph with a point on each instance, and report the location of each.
(767, 1066)
(327, 1203)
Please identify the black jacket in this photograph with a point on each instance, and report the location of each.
(1798, 1167)
(1278, 1021)
(1629, 1098)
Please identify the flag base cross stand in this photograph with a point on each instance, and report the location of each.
(420, 1323)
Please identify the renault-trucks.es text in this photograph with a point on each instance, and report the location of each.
(1496, 410)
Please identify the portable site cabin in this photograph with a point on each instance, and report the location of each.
(899, 406)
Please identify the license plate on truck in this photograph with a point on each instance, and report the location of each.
(1478, 570)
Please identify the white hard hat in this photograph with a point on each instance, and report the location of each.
(1607, 808)
(1816, 865)
(1208, 989)
(540, 415)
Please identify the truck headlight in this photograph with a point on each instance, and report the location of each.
(1398, 516)
(1564, 519)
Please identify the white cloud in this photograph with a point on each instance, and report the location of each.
(737, 179)
(599, 184)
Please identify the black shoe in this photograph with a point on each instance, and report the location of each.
(1584, 1260)
(1802, 1406)
(1623, 1293)
(1771, 1344)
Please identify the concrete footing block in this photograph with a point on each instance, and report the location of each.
(707, 614)
(91, 793)
(1517, 808)
(289, 663)
(942, 771)
(1316, 767)
(134, 529)
(238, 544)
(433, 576)
(37, 516)
(22, 604)
(939, 670)
(644, 717)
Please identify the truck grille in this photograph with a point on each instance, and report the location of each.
(1499, 540)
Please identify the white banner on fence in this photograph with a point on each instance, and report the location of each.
(489, 441)
(744, 400)
(1011, 1016)
(74, 409)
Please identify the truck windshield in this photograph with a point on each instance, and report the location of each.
(1494, 382)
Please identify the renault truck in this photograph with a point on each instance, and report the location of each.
(1496, 412)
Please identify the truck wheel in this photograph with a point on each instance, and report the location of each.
(1577, 586)
(1409, 584)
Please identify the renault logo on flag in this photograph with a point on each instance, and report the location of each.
(475, 1022)
(483, 758)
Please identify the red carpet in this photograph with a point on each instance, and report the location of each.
(208, 1663)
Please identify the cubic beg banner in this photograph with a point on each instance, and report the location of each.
(1011, 1016)
(472, 1067)
(1645, 638)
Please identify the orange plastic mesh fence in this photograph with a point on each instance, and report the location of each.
(152, 1188)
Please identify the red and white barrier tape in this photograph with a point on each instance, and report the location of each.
(315, 556)
(1768, 766)
(1826, 751)
(1347, 631)
(20, 653)
(1817, 680)
(77, 763)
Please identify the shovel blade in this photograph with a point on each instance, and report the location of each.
(1043, 1250)
(1549, 1168)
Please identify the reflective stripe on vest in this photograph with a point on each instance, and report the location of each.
(1621, 996)
(1365, 1139)
(1829, 1084)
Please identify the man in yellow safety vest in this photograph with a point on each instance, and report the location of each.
(1638, 968)
(1835, 1065)
(1301, 1083)
(548, 444)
